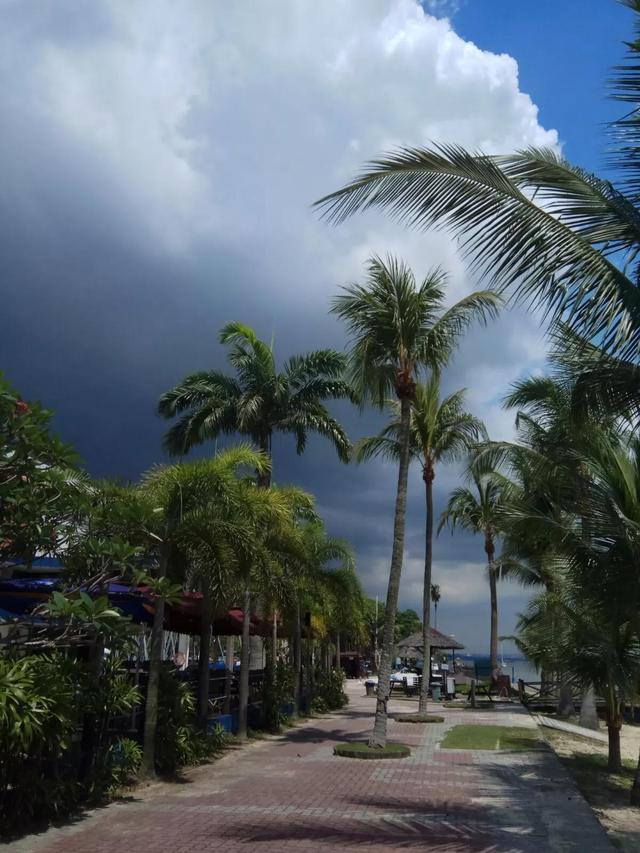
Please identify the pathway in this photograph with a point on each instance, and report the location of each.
(569, 728)
(292, 794)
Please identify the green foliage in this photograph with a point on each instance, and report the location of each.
(329, 690)
(81, 613)
(399, 327)
(123, 763)
(44, 700)
(407, 622)
(259, 400)
(277, 692)
(41, 490)
(178, 741)
(363, 750)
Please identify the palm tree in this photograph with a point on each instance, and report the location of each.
(480, 512)
(435, 597)
(190, 498)
(259, 400)
(398, 328)
(441, 431)
(531, 222)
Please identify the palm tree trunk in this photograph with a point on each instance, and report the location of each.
(565, 707)
(493, 588)
(588, 710)
(338, 652)
(228, 674)
(635, 790)
(205, 651)
(379, 734)
(147, 767)
(264, 444)
(244, 665)
(274, 643)
(428, 476)
(297, 659)
(614, 724)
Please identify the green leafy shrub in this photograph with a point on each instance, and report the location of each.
(319, 705)
(38, 716)
(330, 692)
(124, 759)
(46, 701)
(179, 741)
(276, 694)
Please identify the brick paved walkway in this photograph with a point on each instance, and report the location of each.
(292, 794)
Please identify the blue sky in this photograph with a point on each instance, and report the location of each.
(565, 50)
(159, 164)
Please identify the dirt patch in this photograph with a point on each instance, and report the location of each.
(607, 793)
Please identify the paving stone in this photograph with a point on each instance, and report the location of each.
(293, 794)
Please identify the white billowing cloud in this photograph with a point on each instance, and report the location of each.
(208, 128)
(225, 121)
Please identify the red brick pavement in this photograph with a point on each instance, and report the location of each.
(292, 794)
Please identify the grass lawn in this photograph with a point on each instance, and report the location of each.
(508, 738)
(361, 749)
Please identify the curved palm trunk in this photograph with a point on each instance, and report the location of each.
(274, 643)
(205, 651)
(263, 479)
(379, 735)
(588, 709)
(428, 477)
(297, 659)
(493, 588)
(147, 767)
(635, 790)
(244, 665)
(614, 724)
(228, 675)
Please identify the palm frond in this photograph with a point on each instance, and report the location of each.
(545, 256)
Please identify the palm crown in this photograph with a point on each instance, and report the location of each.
(553, 233)
(478, 512)
(398, 326)
(440, 428)
(259, 399)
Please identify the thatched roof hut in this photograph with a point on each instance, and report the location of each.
(411, 647)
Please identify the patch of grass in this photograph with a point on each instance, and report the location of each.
(589, 768)
(418, 718)
(360, 749)
(507, 738)
(257, 734)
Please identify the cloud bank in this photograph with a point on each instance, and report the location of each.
(159, 163)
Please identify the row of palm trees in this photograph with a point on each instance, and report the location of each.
(217, 531)
(400, 332)
(557, 237)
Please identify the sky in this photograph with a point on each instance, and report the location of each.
(159, 162)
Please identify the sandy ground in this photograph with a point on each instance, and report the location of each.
(607, 794)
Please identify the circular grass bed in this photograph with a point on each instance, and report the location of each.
(418, 718)
(360, 749)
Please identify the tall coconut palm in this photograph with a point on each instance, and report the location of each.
(398, 328)
(441, 431)
(259, 400)
(550, 232)
(480, 511)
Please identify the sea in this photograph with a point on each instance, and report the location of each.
(514, 665)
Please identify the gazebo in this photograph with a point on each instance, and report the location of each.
(410, 649)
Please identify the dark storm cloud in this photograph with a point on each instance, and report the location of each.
(157, 166)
